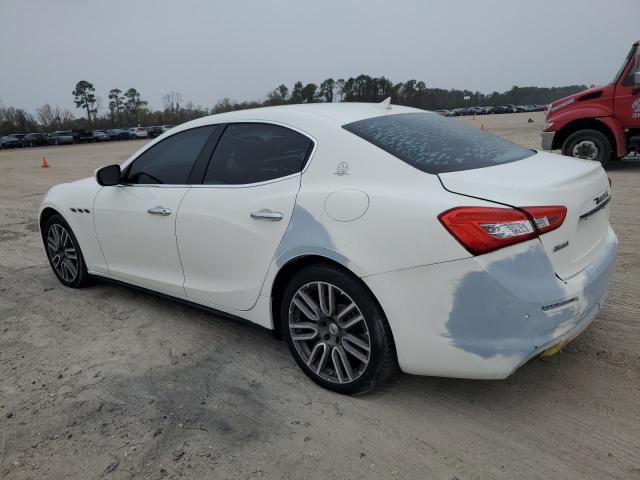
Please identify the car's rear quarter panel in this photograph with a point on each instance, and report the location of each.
(399, 228)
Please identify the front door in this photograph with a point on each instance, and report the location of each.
(136, 221)
(229, 227)
(627, 96)
(136, 228)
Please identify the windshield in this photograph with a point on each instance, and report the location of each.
(435, 144)
(624, 64)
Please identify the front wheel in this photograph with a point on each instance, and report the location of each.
(64, 254)
(588, 145)
(336, 331)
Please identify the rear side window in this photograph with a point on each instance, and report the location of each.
(257, 152)
(170, 161)
(434, 144)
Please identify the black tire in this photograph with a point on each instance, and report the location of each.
(81, 277)
(381, 362)
(594, 143)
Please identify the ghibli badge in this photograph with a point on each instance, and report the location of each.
(601, 198)
(560, 246)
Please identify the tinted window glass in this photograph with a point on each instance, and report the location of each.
(435, 144)
(256, 152)
(170, 161)
(629, 80)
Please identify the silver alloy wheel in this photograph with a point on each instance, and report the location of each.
(586, 149)
(62, 252)
(329, 332)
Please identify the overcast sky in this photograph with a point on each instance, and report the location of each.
(242, 49)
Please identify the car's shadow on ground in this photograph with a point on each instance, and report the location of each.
(528, 385)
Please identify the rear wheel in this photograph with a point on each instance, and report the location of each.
(588, 145)
(336, 331)
(64, 254)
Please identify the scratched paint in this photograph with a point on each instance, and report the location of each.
(498, 310)
(305, 235)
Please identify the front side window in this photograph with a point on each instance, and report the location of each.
(257, 152)
(434, 144)
(629, 79)
(170, 161)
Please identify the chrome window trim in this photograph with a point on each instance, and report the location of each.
(241, 185)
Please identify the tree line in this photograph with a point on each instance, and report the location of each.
(127, 107)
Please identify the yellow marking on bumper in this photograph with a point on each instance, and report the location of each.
(555, 349)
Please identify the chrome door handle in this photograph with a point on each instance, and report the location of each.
(159, 211)
(267, 215)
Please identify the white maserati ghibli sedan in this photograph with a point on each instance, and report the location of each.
(369, 236)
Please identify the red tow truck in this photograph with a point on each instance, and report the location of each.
(600, 123)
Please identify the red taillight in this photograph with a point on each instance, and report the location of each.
(484, 229)
(547, 218)
(610, 182)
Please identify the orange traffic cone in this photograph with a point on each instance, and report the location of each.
(45, 164)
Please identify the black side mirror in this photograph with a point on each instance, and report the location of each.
(108, 176)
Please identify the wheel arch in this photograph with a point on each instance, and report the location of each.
(45, 215)
(295, 265)
(584, 124)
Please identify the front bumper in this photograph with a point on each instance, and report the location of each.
(547, 140)
(483, 317)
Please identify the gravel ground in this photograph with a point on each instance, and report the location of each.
(108, 382)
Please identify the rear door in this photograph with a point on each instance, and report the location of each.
(229, 227)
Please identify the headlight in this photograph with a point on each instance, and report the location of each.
(548, 125)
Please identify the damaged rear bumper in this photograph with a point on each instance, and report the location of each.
(483, 317)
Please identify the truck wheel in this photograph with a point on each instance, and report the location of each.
(588, 145)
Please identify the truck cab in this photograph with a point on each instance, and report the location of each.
(600, 123)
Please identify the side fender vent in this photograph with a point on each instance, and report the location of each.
(590, 96)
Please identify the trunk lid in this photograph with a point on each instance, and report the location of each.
(547, 179)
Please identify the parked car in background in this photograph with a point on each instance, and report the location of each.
(19, 137)
(167, 127)
(477, 110)
(34, 140)
(81, 136)
(9, 142)
(100, 136)
(486, 110)
(155, 131)
(119, 134)
(138, 132)
(60, 137)
(502, 109)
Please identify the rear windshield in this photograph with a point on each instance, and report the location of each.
(434, 144)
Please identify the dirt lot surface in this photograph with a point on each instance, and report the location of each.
(108, 382)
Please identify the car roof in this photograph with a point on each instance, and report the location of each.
(308, 115)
